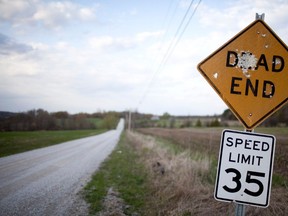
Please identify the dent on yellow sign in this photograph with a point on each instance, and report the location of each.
(250, 73)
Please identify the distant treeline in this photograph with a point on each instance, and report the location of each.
(227, 118)
(280, 118)
(42, 120)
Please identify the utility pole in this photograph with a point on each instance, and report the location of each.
(129, 121)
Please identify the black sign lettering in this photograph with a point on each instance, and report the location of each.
(245, 159)
(234, 85)
(247, 144)
(231, 54)
(265, 146)
(268, 89)
(230, 141)
(262, 62)
(256, 145)
(277, 60)
(250, 86)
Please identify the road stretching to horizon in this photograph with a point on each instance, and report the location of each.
(47, 181)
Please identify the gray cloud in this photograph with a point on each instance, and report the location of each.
(47, 14)
(9, 46)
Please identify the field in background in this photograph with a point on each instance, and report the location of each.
(17, 142)
(32, 131)
(37, 120)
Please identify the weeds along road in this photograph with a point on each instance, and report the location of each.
(47, 181)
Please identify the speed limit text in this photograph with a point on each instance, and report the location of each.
(254, 145)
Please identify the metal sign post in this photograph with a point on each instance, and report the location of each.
(240, 208)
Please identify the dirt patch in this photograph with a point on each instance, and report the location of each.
(113, 205)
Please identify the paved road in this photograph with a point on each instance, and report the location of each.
(47, 181)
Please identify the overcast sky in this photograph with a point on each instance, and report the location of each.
(95, 55)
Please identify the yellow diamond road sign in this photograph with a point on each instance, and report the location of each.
(250, 73)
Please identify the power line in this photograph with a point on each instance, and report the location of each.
(184, 29)
(171, 48)
(161, 47)
(174, 38)
(168, 27)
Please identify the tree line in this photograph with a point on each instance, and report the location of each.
(40, 119)
(280, 118)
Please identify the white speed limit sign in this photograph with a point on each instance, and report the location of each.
(245, 168)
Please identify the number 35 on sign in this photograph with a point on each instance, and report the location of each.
(245, 168)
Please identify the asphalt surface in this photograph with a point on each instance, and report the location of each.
(47, 181)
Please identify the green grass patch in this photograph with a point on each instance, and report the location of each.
(17, 142)
(96, 121)
(273, 130)
(265, 130)
(169, 145)
(195, 155)
(279, 180)
(175, 149)
(122, 171)
(210, 176)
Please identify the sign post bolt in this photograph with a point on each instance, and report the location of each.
(260, 16)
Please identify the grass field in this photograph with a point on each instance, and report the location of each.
(17, 142)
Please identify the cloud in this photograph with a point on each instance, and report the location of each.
(14, 10)
(50, 14)
(142, 36)
(237, 14)
(18, 65)
(56, 14)
(110, 43)
(122, 43)
(9, 46)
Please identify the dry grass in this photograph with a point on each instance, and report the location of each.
(179, 183)
(180, 189)
(207, 141)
